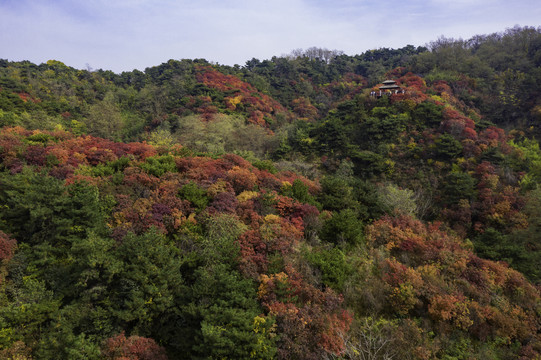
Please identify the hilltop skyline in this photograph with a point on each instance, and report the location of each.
(126, 35)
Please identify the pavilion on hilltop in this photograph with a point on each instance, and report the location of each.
(389, 87)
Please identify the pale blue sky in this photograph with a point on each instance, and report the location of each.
(122, 35)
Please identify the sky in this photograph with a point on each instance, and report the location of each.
(122, 35)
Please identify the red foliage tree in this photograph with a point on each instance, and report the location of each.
(311, 321)
(132, 348)
(437, 273)
(304, 108)
(7, 246)
(242, 179)
(257, 105)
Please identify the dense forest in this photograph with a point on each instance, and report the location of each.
(284, 209)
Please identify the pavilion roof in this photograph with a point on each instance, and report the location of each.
(392, 86)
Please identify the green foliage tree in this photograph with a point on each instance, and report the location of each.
(514, 249)
(383, 126)
(458, 185)
(105, 119)
(427, 114)
(25, 306)
(299, 191)
(196, 195)
(228, 317)
(220, 245)
(40, 209)
(522, 248)
(336, 193)
(395, 199)
(447, 147)
(343, 228)
(159, 165)
(148, 282)
(333, 266)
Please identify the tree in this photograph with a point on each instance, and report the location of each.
(336, 193)
(399, 200)
(40, 209)
(427, 114)
(133, 347)
(372, 339)
(447, 147)
(523, 246)
(144, 289)
(105, 119)
(458, 185)
(224, 319)
(7, 246)
(343, 227)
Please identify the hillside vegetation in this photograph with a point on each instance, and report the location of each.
(276, 210)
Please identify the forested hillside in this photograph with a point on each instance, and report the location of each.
(282, 209)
